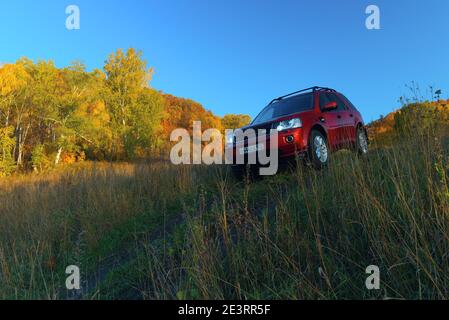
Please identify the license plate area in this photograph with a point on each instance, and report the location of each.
(251, 149)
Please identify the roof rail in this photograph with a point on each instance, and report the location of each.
(312, 89)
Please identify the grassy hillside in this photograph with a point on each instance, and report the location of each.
(153, 230)
(414, 118)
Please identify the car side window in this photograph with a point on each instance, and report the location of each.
(341, 105)
(348, 102)
(325, 98)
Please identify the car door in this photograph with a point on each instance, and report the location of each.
(332, 119)
(347, 127)
(350, 119)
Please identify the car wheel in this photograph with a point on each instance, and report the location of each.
(361, 142)
(318, 150)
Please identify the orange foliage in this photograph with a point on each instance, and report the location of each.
(181, 113)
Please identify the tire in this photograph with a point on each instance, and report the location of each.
(318, 150)
(361, 142)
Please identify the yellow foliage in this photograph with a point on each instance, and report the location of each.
(96, 112)
(13, 77)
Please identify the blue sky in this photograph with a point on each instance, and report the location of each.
(234, 56)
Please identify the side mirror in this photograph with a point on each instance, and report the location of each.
(330, 106)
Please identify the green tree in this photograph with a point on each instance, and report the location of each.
(144, 136)
(39, 159)
(135, 110)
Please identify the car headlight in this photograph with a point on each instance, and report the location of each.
(289, 124)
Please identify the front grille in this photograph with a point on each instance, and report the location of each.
(265, 126)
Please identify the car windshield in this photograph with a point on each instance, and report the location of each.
(285, 107)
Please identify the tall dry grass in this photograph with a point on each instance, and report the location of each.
(78, 215)
(155, 231)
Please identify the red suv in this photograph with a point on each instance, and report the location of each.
(311, 123)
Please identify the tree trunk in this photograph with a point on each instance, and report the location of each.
(58, 156)
(7, 118)
(21, 144)
(20, 156)
(17, 151)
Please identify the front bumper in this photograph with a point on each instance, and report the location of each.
(290, 143)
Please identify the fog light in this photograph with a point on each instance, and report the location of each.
(289, 139)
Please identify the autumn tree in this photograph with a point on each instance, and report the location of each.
(14, 105)
(181, 113)
(235, 121)
(50, 115)
(6, 146)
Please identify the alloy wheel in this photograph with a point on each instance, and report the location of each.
(363, 143)
(321, 151)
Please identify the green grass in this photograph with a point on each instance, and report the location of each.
(157, 231)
